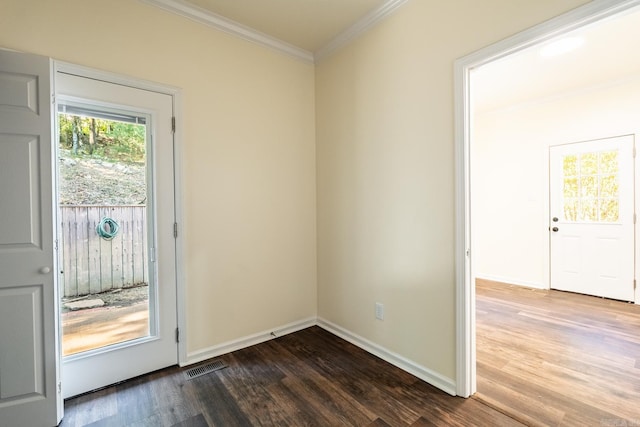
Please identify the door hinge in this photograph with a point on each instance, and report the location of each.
(177, 334)
(175, 230)
(59, 388)
(56, 244)
(173, 124)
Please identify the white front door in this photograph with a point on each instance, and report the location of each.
(29, 394)
(108, 353)
(591, 221)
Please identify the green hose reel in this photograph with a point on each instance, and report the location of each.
(107, 228)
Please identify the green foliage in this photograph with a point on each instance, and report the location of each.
(113, 141)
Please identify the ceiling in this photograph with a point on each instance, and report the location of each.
(304, 28)
(307, 24)
(609, 54)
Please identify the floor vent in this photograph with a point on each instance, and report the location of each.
(201, 370)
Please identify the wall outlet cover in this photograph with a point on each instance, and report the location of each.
(379, 311)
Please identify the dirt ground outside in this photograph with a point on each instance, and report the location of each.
(106, 318)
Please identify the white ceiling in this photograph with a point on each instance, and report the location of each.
(610, 53)
(307, 29)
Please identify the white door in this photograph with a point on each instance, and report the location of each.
(29, 393)
(591, 220)
(155, 347)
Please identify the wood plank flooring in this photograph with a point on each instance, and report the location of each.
(556, 358)
(308, 378)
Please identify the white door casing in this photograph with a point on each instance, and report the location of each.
(29, 393)
(159, 350)
(591, 217)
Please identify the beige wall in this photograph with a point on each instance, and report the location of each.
(248, 152)
(510, 158)
(385, 148)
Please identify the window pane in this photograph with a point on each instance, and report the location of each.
(570, 187)
(588, 186)
(609, 186)
(609, 162)
(570, 165)
(571, 210)
(588, 164)
(588, 210)
(609, 210)
(103, 223)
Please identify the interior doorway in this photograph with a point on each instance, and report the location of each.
(116, 245)
(467, 124)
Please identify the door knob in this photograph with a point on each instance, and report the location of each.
(555, 219)
(45, 270)
(555, 229)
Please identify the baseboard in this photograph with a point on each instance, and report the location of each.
(510, 281)
(443, 383)
(240, 343)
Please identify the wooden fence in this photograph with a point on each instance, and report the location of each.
(91, 264)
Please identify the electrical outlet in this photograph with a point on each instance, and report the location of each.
(379, 311)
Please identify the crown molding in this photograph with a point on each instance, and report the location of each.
(229, 26)
(219, 22)
(361, 26)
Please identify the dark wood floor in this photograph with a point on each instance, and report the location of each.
(555, 358)
(309, 378)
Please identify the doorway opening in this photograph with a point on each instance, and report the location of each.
(116, 241)
(531, 192)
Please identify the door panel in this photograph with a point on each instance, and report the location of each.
(19, 164)
(591, 217)
(19, 92)
(23, 305)
(28, 316)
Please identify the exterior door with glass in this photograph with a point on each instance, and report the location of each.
(591, 220)
(116, 245)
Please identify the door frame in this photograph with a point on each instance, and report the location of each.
(176, 95)
(592, 12)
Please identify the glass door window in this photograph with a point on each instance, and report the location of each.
(103, 245)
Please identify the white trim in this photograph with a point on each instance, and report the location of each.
(120, 79)
(219, 22)
(511, 281)
(181, 272)
(176, 94)
(229, 26)
(594, 11)
(445, 384)
(361, 26)
(240, 343)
